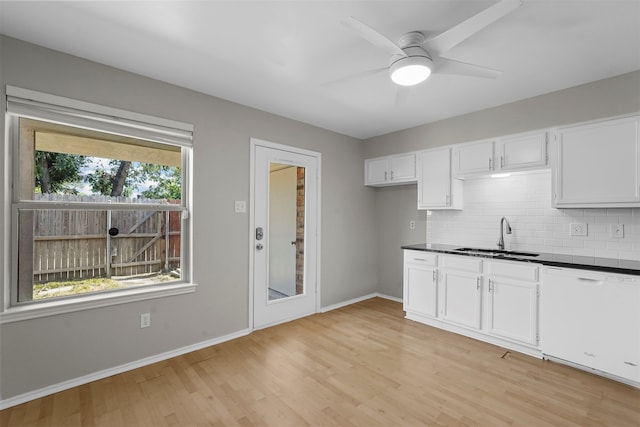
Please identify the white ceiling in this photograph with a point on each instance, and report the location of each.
(278, 56)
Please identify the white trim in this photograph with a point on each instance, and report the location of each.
(25, 102)
(389, 297)
(357, 300)
(65, 385)
(133, 206)
(103, 299)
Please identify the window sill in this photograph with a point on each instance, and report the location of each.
(52, 308)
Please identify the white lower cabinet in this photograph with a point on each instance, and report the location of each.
(494, 301)
(420, 294)
(512, 301)
(461, 291)
(592, 319)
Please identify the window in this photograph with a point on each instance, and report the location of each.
(100, 201)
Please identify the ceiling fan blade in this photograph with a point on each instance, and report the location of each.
(372, 36)
(355, 76)
(449, 66)
(455, 35)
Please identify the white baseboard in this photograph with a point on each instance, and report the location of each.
(65, 385)
(356, 300)
(389, 297)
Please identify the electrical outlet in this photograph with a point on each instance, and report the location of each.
(578, 229)
(617, 231)
(412, 225)
(145, 320)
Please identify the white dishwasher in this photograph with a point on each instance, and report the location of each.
(592, 319)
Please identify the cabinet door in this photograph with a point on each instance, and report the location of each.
(376, 171)
(461, 299)
(420, 290)
(475, 158)
(434, 181)
(598, 164)
(521, 152)
(512, 310)
(403, 168)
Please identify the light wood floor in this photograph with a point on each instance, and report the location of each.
(362, 365)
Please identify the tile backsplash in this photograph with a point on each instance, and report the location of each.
(525, 200)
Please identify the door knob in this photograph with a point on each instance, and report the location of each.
(259, 246)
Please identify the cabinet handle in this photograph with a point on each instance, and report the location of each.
(490, 163)
(419, 259)
(478, 283)
(490, 285)
(385, 175)
(589, 354)
(391, 175)
(434, 276)
(501, 161)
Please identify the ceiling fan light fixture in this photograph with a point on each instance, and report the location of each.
(410, 71)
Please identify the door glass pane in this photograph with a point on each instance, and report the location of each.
(286, 230)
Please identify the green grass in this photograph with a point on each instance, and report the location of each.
(72, 287)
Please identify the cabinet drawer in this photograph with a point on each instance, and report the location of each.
(420, 257)
(515, 270)
(462, 263)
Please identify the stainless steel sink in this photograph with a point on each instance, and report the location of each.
(495, 252)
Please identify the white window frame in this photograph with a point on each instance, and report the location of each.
(45, 107)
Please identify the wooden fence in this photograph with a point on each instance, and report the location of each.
(75, 244)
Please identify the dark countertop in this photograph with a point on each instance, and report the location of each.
(610, 265)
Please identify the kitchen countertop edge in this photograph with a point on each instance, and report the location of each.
(609, 265)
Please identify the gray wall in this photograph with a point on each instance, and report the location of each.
(395, 205)
(40, 352)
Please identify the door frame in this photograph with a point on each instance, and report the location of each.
(255, 142)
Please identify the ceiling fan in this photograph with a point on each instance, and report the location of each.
(415, 57)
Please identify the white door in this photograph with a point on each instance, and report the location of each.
(284, 237)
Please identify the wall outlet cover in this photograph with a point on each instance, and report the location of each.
(578, 229)
(617, 231)
(145, 320)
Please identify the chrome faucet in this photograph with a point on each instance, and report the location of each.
(508, 231)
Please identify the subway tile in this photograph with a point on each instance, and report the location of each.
(526, 202)
(573, 243)
(584, 251)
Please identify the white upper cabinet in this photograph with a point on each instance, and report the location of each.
(436, 188)
(473, 158)
(598, 164)
(521, 152)
(390, 170)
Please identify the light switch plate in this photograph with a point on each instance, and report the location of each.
(578, 229)
(240, 206)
